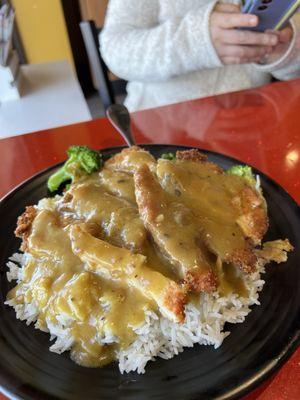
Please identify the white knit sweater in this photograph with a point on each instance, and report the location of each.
(163, 48)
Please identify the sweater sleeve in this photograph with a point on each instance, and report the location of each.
(137, 47)
(288, 66)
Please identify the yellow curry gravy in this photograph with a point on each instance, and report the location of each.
(209, 195)
(100, 314)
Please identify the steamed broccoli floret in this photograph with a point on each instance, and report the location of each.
(82, 160)
(168, 156)
(243, 171)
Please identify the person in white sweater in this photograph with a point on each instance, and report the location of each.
(172, 51)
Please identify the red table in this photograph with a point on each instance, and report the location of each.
(259, 126)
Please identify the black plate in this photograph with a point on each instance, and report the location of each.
(255, 349)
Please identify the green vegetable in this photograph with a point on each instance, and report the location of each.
(168, 156)
(82, 161)
(243, 171)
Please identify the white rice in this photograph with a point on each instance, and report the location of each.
(157, 337)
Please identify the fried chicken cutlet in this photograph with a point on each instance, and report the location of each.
(174, 231)
(232, 214)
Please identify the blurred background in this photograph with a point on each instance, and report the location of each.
(56, 42)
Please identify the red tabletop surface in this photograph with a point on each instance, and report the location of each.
(260, 127)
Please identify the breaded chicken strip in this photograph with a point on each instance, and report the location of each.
(196, 156)
(275, 251)
(121, 265)
(232, 215)
(24, 225)
(48, 240)
(130, 159)
(173, 228)
(252, 211)
(118, 218)
(118, 183)
(248, 202)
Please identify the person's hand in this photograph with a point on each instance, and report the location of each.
(285, 35)
(284, 39)
(235, 46)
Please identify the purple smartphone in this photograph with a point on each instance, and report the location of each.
(273, 14)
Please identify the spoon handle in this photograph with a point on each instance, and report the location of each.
(119, 117)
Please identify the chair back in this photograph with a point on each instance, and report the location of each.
(98, 67)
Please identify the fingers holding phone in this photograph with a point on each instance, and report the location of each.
(236, 46)
(285, 37)
(274, 18)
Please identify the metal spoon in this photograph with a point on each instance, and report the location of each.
(119, 117)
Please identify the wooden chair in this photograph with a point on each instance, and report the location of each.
(108, 90)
